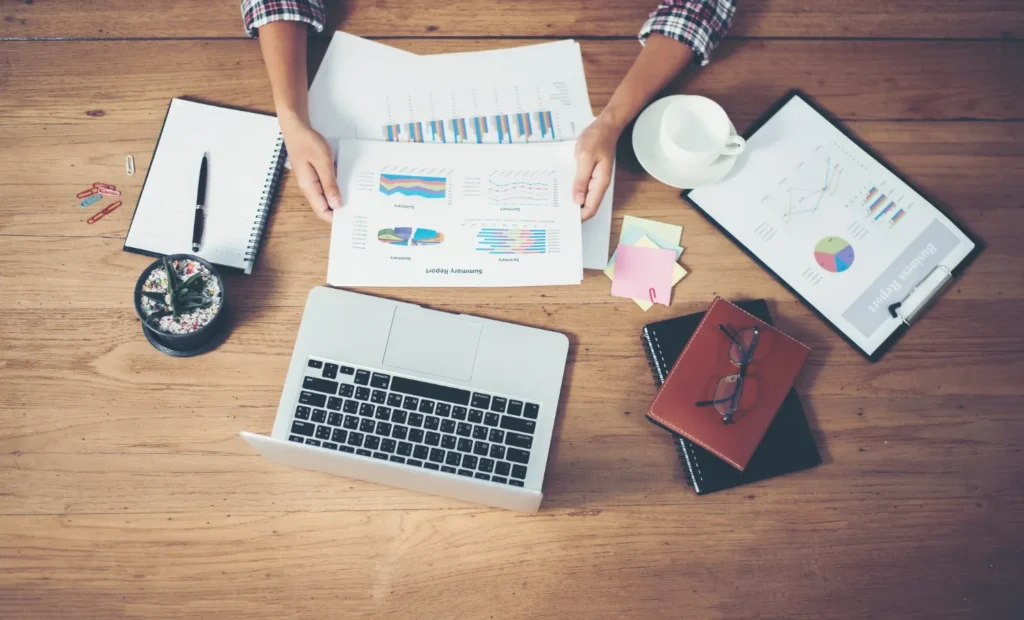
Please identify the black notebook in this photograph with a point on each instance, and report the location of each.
(787, 446)
(245, 152)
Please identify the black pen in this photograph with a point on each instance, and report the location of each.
(200, 216)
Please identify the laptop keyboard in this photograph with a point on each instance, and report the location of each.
(416, 423)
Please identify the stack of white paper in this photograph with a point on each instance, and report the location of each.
(531, 95)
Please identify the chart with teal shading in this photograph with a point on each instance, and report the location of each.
(516, 241)
(413, 185)
(408, 236)
(834, 254)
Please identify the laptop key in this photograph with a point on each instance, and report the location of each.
(531, 411)
(323, 432)
(517, 456)
(415, 419)
(499, 479)
(394, 400)
(515, 407)
(383, 429)
(348, 449)
(486, 465)
(479, 432)
(433, 438)
(519, 441)
(334, 403)
(379, 380)
(482, 401)
(431, 423)
(411, 403)
(320, 385)
(302, 412)
(366, 410)
(437, 455)
(303, 428)
(516, 483)
(388, 445)
(518, 424)
(404, 448)
(330, 371)
(351, 422)
(296, 438)
(421, 452)
(481, 448)
(339, 435)
(319, 416)
(443, 410)
(481, 476)
(312, 442)
(362, 452)
(346, 390)
(447, 442)
(502, 468)
(464, 430)
(459, 413)
(372, 442)
(497, 452)
(466, 472)
(414, 462)
(447, 426)
(312, 399)
(453, 458)
(426, 406)
(416, 435)
(465, 445)
(315, 364)
(476, 416)
(367, 426)
(397, 459)
(363, 393)
(379, 396)
(347, 370)
(469, 461)
(362, 377)
(432, 391)
(350, 406)
(518, 471)
(498, 404)
(400, 432)
(399, 416)
(380, 455)
(383, 413)
(433, 466)
(496, 436)
(329, 445)
(446, 469)
(491, 419)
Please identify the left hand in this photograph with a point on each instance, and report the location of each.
(595, 154)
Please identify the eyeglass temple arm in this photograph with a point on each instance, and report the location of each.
(728, 333)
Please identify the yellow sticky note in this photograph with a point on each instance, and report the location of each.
(663, 235)
(678, 274)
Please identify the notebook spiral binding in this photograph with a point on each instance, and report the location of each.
(646, 337)
(269, 189)
(652, 361)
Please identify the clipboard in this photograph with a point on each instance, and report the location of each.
(774, 208)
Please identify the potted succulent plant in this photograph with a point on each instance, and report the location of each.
(180, 300)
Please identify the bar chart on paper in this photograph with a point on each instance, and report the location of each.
(517, 241)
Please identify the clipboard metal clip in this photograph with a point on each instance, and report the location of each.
(921, 295)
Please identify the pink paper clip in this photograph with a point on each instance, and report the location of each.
(87, 193)
(99, 214)
(113, 193)
(102, 186)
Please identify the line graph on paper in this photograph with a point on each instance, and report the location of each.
(522, 188)
(807, 200)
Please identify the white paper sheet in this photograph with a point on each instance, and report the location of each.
(535, 93)
(479, 215)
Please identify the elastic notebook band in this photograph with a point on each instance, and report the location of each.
(266, 200)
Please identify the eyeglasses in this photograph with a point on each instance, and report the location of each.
(730, 388)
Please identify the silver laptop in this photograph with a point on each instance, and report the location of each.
(425, 400)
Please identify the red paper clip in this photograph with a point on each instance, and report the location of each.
(87, 193)
(102, 186)
(99, 214)
(109, 192)
(651, 293)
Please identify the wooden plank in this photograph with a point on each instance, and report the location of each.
(544, 18)
(113, 83)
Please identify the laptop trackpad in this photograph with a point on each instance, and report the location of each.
(433, 343)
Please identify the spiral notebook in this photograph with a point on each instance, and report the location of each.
(245, 153)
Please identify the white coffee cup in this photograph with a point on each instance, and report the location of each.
(696, 131)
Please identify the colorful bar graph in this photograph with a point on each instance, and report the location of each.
(897, 217)
(875, 204)
(871, 194)
(512, 241)
(545, 124)
(502, 124)
(518, 127)
(437, 131)
(887, 208)
(392, 132)
(458, 126)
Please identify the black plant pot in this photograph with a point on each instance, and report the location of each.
(204, 339)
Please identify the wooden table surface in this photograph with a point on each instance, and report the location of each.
(126, 492)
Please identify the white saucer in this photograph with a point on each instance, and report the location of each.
(647, 146)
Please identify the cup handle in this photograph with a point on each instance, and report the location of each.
(734, 146)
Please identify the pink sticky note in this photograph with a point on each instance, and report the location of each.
(644, 273)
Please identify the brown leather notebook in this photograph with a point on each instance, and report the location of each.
(695, 377)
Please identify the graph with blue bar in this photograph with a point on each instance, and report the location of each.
(495, 129)
(516, 241)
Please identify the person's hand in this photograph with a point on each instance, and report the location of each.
(595, 153)
(313, 164)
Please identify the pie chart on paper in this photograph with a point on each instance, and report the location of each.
(834, 254)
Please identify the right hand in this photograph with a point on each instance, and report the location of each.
(313, 164)
(595, 154)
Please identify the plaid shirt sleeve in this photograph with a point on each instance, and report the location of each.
(699, 24)
(257, 13)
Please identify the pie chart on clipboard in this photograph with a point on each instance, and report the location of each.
(834, 254)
